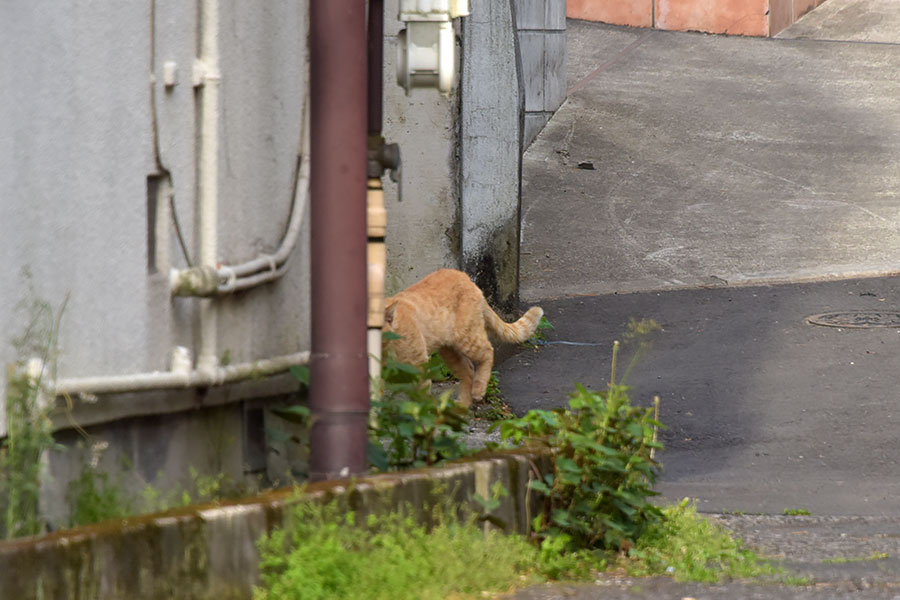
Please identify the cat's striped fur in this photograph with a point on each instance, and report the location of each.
(446, 312)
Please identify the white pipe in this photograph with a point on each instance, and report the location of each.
(207, 358)
(296, 219)
(207, 281)
(208, 371)
(139, 382)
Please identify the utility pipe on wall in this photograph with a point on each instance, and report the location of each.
(181, 376)
(339, 397)
(208, 214)
(219, 280)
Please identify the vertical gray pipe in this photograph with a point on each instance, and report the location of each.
(339, 397)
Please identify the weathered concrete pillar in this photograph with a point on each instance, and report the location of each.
(491, 126)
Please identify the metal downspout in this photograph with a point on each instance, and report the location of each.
(339, 398)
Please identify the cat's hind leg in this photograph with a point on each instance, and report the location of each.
(481, 353)
(462, 369)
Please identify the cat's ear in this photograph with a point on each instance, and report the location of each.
(389, 313)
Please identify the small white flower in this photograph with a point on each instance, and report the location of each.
(33, 368)
(97, 450)
(88, 398)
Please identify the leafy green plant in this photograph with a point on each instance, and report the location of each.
(93, 497)
(539, 337)
(437, 369)
(323, 553)
(688, 547)
(28, 437)
(491, 504)
(596, 497)
(492, 407)
(96, 496)
(295, 413)
(411, 427)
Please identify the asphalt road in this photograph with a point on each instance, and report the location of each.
(764, 412)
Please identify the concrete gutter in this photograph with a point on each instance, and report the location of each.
(202, 552)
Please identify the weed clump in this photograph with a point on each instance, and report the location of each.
(688, 547)
(411, 427)
(597, 495)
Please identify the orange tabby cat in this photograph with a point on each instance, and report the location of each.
(446, 312)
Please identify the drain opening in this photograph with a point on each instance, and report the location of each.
(857, 319)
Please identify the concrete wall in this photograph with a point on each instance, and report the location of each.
(423, 216)
(491, 125)
(79, 147)
(457, 205)
(91, 137)
(207, 552)
(512, 80)
(94, 138)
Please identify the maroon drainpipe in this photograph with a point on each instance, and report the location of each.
(339, 385)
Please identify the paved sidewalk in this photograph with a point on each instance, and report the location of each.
(729, 188)
(684, 159)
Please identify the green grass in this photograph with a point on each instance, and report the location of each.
(797, 512)
(332, 556)
(691, 548)
(844, 560)
(324, 554)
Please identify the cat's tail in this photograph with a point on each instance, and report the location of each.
(513, 333)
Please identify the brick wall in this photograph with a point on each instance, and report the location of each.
(735, 17)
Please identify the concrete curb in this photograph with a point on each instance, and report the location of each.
(209, 551)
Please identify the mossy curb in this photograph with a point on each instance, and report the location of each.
(209, 551)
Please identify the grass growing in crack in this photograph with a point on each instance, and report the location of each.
(797, 512)
(845, 560)
(691, 548)
(493, 407)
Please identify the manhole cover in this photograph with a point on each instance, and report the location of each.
(857, 319)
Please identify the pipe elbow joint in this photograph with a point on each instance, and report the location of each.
(195, 281)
